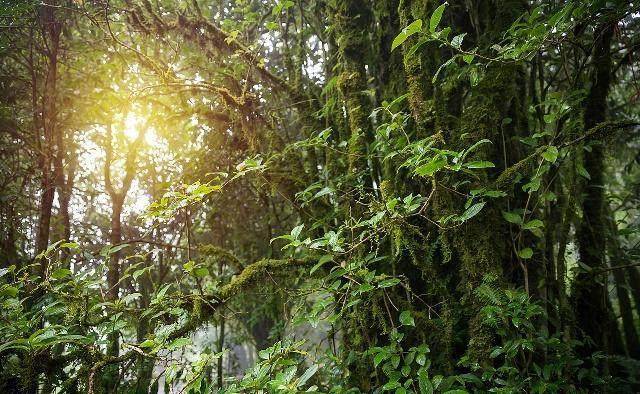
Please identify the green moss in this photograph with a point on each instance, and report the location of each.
(218, 253)
(257, 272)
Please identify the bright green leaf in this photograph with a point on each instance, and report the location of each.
(407, 32)
(406, 319)
(551, 154)
(533, 224)
(436, 17)
(525, 253)
(480, 164)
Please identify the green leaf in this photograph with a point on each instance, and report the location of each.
(551, 154)
(117, 248)
(388, 283)
(474, 76)
(323, 192)
(532, 186)
(442, 67)
(147, 343)
(468, 58)
(456, 41)
(271, 25)
(525, 253)
(323, 260)
(425, 384)
(307, 375)
(480, 164)
(180, 342)
(200, 272)
(295, 233)
(583, 172)
(535, 223)
(407, 32)
(471, 211)
(9, 291)
(405, 371)
(406, 319)
(496, 352)
(380, 357)
(436, 17)
(139, 272)
(431, 168)
(69, 245)
(394, 384)
(61, 273)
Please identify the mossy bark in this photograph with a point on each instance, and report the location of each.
(352, 22)
(590, 295)
(419, 66)
(478, 251)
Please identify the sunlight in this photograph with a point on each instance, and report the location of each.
(131, 125)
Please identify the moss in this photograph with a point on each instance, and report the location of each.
(217, 252)
(419, 66)
(257, 272)
(352, 23)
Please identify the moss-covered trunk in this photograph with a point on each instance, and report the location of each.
(590, 296)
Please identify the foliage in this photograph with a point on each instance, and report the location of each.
(331, 197)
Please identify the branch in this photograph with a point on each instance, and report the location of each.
(601, 130)
(203, 32)
(204, 307)
(108, 148)
(130, 162)
(216, 251)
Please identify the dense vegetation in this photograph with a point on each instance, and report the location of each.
(334, 196)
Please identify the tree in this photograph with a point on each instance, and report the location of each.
(342, 196)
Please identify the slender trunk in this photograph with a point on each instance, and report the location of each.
(567, 215)
(51, 33)
(351, 27)
(144, 364)
(221, 333)
(352, 23)
(65, 158)
(110, 375)
(115, 238)
(589, 294)
(626, 311)
(634, 285)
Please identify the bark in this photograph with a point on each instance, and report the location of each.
(620, 281)
(117, 196)
(634, 285)
(352, 22)
(65, 158)
(590, 298)
(419, 67)
(480, 252)
(144, 364)
(51, 29)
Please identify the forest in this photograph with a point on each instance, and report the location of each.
(321, 196)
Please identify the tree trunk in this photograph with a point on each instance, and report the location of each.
(620, 281)
(51, 34)
(590, 298)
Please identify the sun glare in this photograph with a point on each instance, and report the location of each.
(131, 126)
